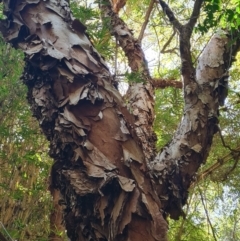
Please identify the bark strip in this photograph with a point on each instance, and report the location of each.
(99, 168)
(139, 95)
(176, 166)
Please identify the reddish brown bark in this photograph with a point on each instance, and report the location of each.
(99, 168)
(118, 4)
(164, 83)
(139, 95)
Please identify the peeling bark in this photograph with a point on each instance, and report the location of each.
(176, 165)
(164, 83)
(118, 4)
(98, 167)
(139, 95)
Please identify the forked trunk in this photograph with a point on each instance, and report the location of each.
(107, 190)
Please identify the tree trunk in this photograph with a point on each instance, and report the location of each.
(108, 191)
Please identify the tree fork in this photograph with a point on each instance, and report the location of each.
(107, 191)
(139, 95)
(98, 166)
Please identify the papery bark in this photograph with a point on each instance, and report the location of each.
(177, 164)
(98, 167)
(140, 96)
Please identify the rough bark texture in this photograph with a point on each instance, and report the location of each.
(164, 83)
(99, 167)
(106, 190)
(179, 161)
(139, 95)
(118, 4)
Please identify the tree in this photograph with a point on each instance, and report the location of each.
(113, 183)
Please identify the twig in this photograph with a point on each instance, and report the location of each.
(181, 228)
(195, 14)
(187, 69)
(168, 42)
(226, 174)
(223, 142)
(148, 13)
(161, 83)
(173, 20)
(203, 175)
(116, 55)
(6, 231)
(206, 212)
(164, 83)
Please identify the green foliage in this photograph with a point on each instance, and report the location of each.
(168, 110)
(24, 200)
(220, 14)
(211, 8)
(23, 150)
(97, 27)
(134, 77)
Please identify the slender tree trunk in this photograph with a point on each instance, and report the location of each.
(108, 191)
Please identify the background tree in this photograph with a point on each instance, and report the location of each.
(71, 93)
(25, 204)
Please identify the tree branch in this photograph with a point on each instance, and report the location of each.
(220, 162)
(164, 83)
(195, 14)
(206, 212)
(148, 13)
(168, 41)
(99, 166)
(161, 83)
(139, 95)
(187, 69)
(173, 20)
(177, 164)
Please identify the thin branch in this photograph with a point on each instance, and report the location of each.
(126, 40)
(206, 212)
(187, 69)
(116, 58)
(226, 174)
(195, 14)
(164, 83)
(220, 162)
(171, 51)
(174, 21)
(180, 231)
(148, 13)
(168, 42)
(138, 93)
(3, 239)
(223, 142)
(159, 47)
